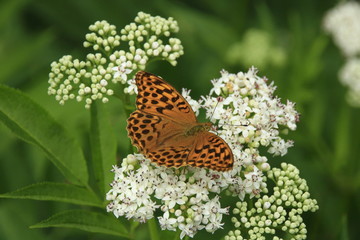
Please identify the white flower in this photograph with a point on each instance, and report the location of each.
(166, 222)
(149, 38)
(132, 88)
(121, 72)
(280, 147)
(133, 190)
(246, 116)
(253, 181)
(218, 85)
(277, 214)
(350, 77)
(103, 83)
(343, 23)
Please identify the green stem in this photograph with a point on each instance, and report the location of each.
(133, 227)
(154, 233)
(177, 234)
(128, 108)
(96, 158)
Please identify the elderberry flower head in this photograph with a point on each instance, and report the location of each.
(247, 116)
(350, 77)
(343, 23)
(148, 38)
(140, 187)
(277, 214)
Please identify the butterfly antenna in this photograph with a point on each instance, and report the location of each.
(219, 99)
(235, 125)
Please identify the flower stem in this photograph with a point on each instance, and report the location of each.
(154, 234)
(177, 235)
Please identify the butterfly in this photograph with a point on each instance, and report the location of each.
(164, 128)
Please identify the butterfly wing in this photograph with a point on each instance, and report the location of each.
(211, 151)
(170, 156)
(157, 97)
(159, 139)
(157, 128)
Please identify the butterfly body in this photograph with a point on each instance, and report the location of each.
(165, 129)
(199, 127)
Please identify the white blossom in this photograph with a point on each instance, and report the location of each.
(166, 222)
(246, 116)
(350, 77)
(147, 38)
(133, 192)
(279, 212)
(121, 72)
(343, 23)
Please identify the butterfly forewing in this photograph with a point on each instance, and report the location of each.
(148, 131)
(157, 97)
(165, 129)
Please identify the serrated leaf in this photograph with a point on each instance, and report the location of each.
(87, 221)
(33, 124)
(56, 192)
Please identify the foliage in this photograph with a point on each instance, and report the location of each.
(34, 33)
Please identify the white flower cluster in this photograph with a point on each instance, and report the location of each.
(139, 188)
(102, 36)
(239, 99)
(95, 78)
(148, 38)
(279, 212)
(74, 79)
(248, 116)
(343, 23)
(350, 77)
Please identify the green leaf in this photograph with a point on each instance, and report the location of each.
(33, 124)
(56, 192)
(103, 146)
(87, 221)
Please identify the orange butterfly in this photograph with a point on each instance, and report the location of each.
(164, 128)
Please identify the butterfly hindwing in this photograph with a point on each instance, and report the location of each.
(170, 156)
(155, 96)
(211, 151)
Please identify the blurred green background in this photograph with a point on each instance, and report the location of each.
(283, 39)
